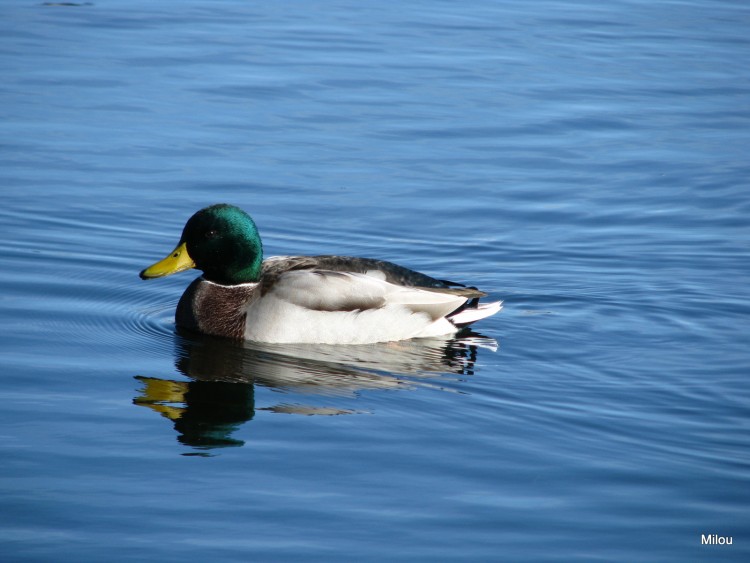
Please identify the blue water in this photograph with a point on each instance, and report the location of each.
(586, 162)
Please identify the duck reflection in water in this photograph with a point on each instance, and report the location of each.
(219, 396)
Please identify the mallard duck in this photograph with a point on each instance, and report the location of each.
(305, 299)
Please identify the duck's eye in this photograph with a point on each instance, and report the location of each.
(211, 234)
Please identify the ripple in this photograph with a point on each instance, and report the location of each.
(106, 314)
(153, 321)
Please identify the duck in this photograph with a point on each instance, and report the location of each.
(325, 299)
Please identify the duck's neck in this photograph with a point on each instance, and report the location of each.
(250, 273)
(241, 264)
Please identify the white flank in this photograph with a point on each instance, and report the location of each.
(347, 308)
(324, 307)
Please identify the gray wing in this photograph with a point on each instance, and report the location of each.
(388, 271)
(326, 290)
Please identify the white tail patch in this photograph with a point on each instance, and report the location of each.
(482, 311)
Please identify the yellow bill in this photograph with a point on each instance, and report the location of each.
(177, 261)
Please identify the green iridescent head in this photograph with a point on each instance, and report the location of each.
(222, 241)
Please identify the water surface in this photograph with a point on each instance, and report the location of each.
(585, 162)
